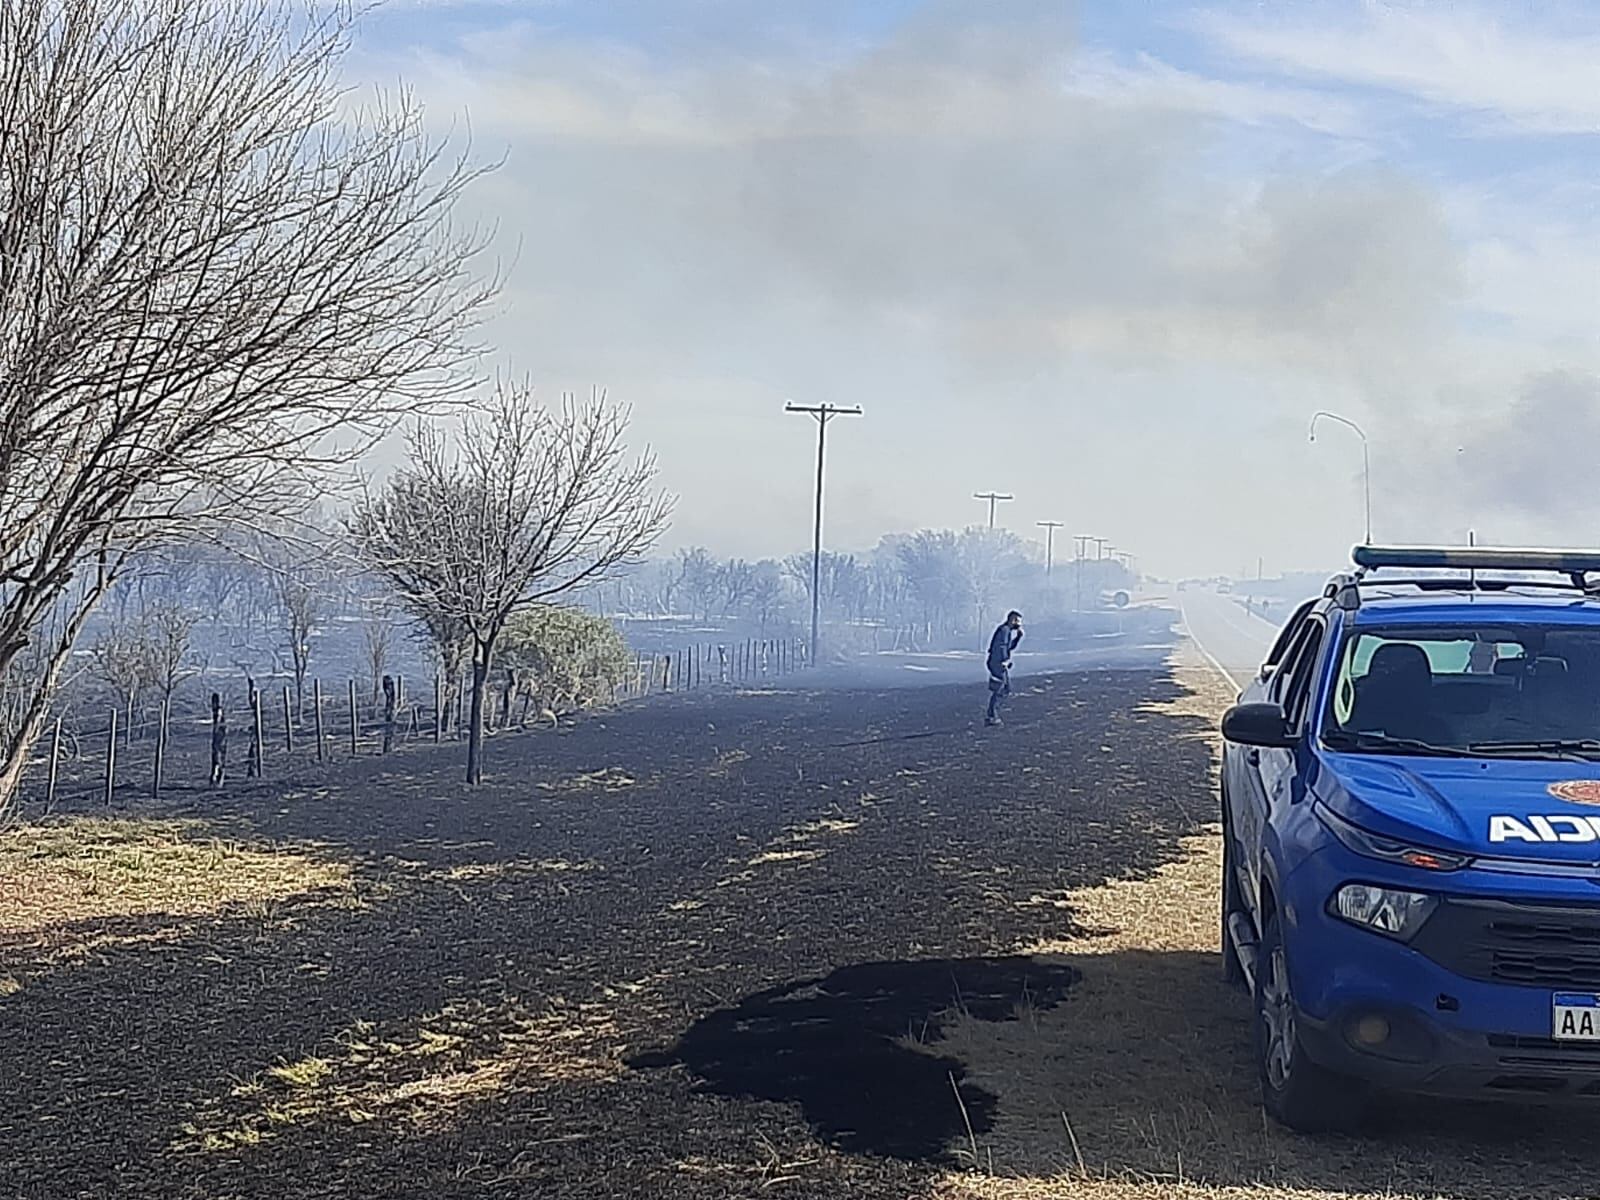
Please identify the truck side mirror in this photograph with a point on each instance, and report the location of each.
(1257, 724)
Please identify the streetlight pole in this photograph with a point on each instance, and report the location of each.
(823, 414)
(1366, 458)
(1050, 528)
(991, 497)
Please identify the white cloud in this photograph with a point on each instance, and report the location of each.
(1146, 81)
(1453, 57)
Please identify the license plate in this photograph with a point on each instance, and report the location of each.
(1575, 1017)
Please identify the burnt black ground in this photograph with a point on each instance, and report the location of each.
(836, 1046)
(704, 888)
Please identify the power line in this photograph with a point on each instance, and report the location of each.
(823, 414)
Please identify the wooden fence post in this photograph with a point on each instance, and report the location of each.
(316, 701)
(161, 749)
(219, 740)
(55, 766)
(111, 758)
(288, 723)
(260, 737)
(252, 765)
(355, 721)
(438, 709)
(391, 697)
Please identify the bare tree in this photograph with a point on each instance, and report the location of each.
(736, 579)
(125, 664)
(377, 638)
(168, 632)
(449, 643)
(299, 610)
(211, 281)
(698, 580)
(768, 592)
(535, 502)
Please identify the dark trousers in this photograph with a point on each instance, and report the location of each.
(999, 689)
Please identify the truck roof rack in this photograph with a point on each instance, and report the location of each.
(1478, 558)
(1575, 565)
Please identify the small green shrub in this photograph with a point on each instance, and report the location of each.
(552, 659)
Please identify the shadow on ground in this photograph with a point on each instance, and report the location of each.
(853, 1048)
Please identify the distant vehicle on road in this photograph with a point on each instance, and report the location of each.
(1411, 836)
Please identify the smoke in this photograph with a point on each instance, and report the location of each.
(1530, 460)
(1022, 280)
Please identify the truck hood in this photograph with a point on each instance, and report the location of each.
(1502, 808)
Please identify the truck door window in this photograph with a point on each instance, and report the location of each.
(1305, 671)
(1288, 669)
(1290, 628)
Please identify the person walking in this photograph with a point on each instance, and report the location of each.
(1001, 645)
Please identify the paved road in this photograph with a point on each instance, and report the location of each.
(1146, 651)
(1234, 639)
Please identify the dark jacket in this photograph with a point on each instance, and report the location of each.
(1001, 645)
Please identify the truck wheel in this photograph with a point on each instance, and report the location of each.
(1232, 902)
(1295, 1091)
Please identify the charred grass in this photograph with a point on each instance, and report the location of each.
(786, 943)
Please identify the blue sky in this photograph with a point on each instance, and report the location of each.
(1108, 257)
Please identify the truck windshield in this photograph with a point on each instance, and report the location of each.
(1522, 691)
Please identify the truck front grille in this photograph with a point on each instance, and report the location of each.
(1537, 945)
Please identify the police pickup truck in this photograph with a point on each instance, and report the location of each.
(1411, 835)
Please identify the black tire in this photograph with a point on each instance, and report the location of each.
(1232, 901)
(1295, 1091)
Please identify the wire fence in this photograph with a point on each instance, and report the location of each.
(145, 750)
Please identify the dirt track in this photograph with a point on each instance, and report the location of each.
(771, 944)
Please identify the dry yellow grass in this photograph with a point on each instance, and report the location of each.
(422, 1071)
(87, 869)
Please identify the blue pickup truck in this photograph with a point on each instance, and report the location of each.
(1411, 835)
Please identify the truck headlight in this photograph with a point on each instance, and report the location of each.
(1383, 910)
(1370, 845)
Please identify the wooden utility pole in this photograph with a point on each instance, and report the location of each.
(823, 413)
(1050, 528)
(991, 497)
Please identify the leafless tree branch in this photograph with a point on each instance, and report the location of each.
(211, 284)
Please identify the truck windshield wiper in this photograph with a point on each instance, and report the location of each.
(1578, 748)
(1361, 740)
